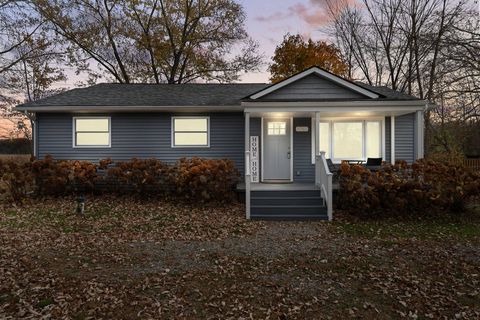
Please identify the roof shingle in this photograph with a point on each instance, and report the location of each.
(112, 94)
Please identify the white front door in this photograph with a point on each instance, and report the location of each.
(276, 149)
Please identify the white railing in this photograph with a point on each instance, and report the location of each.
(323, 180)
(247, 183)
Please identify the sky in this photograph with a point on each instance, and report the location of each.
(269, 20)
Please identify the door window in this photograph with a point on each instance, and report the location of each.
(277, 128)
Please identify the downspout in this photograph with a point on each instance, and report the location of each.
(33, 125)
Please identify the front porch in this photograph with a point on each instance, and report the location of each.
(293, 127)
(286, 170)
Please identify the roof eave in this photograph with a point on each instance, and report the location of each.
(339, 103)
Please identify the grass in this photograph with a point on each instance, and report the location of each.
(463, 226)
(44, 303)
(150, 259)
(421, 230)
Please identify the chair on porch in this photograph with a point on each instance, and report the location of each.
(333, 169)
(331, 166)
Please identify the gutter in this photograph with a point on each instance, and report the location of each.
(47, 108)
(310, 105)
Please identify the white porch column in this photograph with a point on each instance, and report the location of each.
(317, 148)
(317, 136)
(420, 135)
(247, 164)
(392, 139)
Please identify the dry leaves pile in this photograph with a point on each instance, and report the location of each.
(129, 259)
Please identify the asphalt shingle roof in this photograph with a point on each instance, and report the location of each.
(112, 94)
(387, 92)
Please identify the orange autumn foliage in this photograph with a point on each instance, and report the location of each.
(295, 54)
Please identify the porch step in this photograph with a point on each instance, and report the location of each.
(276, 201)
(287, 205)
(290, 217)
(285, 193)
(304, 210)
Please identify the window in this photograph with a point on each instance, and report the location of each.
(277, 128)
(190, 132)
(325, 138)
(373, 139)
(351, 140)
(348, 140)
(91, 132)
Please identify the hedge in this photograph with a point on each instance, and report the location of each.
(194, 179)
(424, 187)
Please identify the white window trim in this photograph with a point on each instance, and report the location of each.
(331, 121)
(74, 131)
(172, 133)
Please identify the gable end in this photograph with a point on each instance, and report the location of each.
(313, 87)
(315, 78)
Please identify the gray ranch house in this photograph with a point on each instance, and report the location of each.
(280, 136)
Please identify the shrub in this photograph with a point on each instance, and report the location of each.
(425, 186)
(15, 179)
(145, 177)
(63, 176)
(205, 179)
(193, 179)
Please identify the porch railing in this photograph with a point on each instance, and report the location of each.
(323, 180)
(247, 183)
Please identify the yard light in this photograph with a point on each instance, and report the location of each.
(81, 205)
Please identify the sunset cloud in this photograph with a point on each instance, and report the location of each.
(315, 13)
(273, 17)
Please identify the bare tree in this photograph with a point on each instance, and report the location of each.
(427, 48)
(155, 40)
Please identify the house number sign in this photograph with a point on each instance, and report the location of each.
(254, 158)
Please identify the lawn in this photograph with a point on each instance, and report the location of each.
(135, 259)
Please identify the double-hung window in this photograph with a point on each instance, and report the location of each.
(91, 132)
(190, 132)
(351, 139)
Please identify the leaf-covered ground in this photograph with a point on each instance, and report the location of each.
(131, 259)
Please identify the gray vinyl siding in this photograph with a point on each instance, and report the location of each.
(256, 127)
(405, 137)
(147, 135)
(388, 140)
(142, 135)
(312, 87)
(303, 169)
